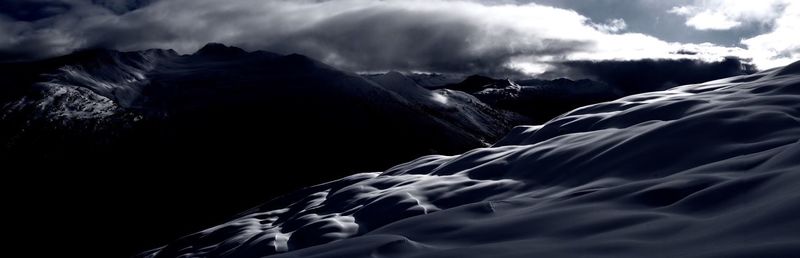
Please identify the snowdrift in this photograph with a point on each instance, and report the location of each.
(706, 170)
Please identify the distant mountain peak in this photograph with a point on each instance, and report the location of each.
(219, 49)
(396, 74)
(563, 80)
(476, 82)
(300, 57)
(104, 52)
(169, 52)
(395, 79)
(302, 60)
(93, 52)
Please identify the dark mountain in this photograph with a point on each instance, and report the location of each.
(226, 97)
(645, 75)
(464, 111)
(542, 100)
(477, 83)
(188, 133)
(435, 80)
(539, 100)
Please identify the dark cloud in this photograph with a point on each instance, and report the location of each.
(385, 39)
(29, 47)
(123, 6)
(33, 29)
(686, 52)
(32, 10)
(650, 74)
(358, 35)
(448, 36)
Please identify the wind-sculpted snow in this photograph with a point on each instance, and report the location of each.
(99, 84)
(119, 76)
(707, 170)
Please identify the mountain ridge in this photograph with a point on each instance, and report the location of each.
(134, 114)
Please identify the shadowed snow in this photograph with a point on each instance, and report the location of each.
(705, 170)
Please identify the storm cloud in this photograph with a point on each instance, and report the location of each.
(488, 37)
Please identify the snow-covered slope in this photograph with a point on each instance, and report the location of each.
(707, 170)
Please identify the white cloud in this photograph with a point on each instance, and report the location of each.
(708, 20)
(781, 46)
(682, 10)
(729, 14)
(778, 47)
(433, 34)
(611, 26)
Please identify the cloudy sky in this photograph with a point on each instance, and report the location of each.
(465, 36)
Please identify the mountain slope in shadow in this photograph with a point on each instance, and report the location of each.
(169, 137)
(224, 98)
